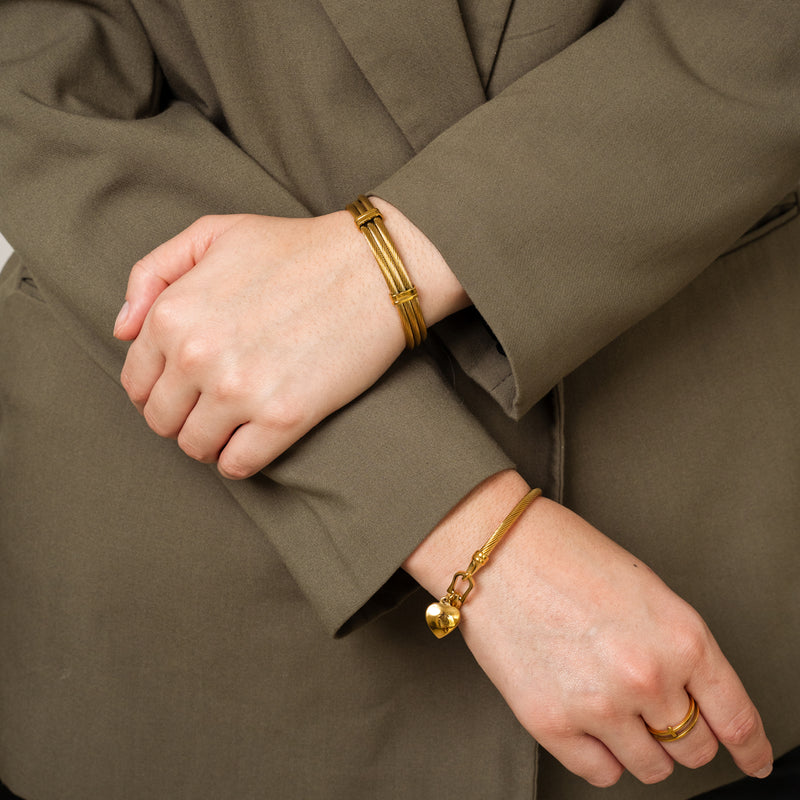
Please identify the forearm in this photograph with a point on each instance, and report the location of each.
(449, 547)
(85, 192)
(596, 186)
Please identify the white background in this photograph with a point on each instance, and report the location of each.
(5, 252)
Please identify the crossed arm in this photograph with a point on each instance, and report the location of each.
(248, 331)
(146, 169)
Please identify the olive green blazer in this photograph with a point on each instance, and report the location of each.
(615, 184)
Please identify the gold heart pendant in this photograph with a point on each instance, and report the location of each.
(442, 618)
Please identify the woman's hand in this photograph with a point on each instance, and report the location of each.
(587, 644)
(250, 330)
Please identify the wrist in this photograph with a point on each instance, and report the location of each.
(371, 301)
(440, 292)
(464, 530)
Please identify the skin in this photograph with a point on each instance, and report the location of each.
(273, 325)
(587, 644)
(240, 345)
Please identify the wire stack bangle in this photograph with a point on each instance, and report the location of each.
(404, 294)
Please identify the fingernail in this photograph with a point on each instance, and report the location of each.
(764, 772)
(121, 317)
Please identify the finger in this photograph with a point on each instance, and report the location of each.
(208, 428)
(636, 750)
(696, 747)
(731, 715)
(143, 367)
(279, 424)
(586, 757)
(253, 446)
(169, 404)
(163, 266)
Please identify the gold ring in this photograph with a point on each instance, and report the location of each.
(674, 732)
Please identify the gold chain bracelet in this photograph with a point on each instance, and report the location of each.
(444, 616)
(404, 294)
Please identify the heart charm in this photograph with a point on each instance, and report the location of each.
(442, 618)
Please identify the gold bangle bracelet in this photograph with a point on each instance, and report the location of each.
(444, 616)
(404, 294)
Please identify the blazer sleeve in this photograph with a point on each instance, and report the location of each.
(598, 184)
(96, 169)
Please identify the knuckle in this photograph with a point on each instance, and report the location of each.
(153, 421)
(234, 469)
(151, 264)
(138, 397)
(194, 449)
(145, 264)
(230, 385)
(164, 314)
(741, 728)
(283, 415)
(194, 353)
(205, 229)
(557, 725)
(695, 642)
(661, 773)
(643, 677)
(130, 387)
(605, 777)
(701, 755)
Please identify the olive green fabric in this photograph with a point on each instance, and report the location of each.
(616, 171)
(170, 634)
(715, 514)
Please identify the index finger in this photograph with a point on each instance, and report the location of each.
(159, 268)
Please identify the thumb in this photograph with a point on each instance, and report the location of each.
(163, 266)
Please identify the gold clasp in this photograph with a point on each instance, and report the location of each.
(479, 558)
(453, 597)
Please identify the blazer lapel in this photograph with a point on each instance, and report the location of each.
(416, 56)
(485, 22)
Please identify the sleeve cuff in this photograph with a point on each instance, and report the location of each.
(348, 503)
